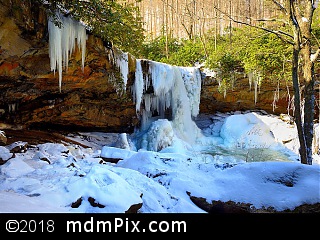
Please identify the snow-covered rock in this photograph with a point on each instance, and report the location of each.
(246, 131)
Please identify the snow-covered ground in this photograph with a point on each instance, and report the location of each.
(243, 157)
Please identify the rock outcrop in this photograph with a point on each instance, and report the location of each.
(89, 98)
(271, 97)
(30, 96)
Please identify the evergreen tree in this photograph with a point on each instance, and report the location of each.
(114, 21)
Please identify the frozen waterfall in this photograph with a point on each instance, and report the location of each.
(176, 89)
(62, 43)
(161, 91)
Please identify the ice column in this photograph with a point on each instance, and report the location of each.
(138, 87)
(122, 61)
(174, 87)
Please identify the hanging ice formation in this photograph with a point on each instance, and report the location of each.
(122, 59)
(175, 88)
(255, 77)
(62, 43)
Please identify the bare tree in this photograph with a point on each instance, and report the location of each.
(298, 14)
(190, 18)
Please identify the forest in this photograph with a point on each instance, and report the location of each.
(190, 18)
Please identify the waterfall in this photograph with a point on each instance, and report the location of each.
(176, 89)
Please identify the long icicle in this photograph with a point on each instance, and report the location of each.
(62, 42)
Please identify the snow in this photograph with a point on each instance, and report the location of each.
(52, 177)
(4, 153)
(246, 131)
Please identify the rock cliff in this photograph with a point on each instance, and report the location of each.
(270, 97)
(30, 96)
(89, 98)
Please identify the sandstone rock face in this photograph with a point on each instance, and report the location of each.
(242, 97)
(30, 97)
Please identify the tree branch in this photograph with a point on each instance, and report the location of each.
(279, 34)
(281, 7)
(270, 20)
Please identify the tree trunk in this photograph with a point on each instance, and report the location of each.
(297, 102)
(302, 41)
(309, 103)
(309, 93)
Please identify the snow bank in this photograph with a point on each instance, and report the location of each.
(246, 131)
(114, 152)
(5, 154)
(102, 185)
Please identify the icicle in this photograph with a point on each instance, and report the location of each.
(182, 121)
(250, 76)
(12, 107)
(276, 97)
(62, 43)
(82, 42)
(55, 49)
(290, 102)
(162, 77)
(255, 91)
(257, 83)
(222, 87)
(138, 86)
(122, 61)
(274, 102)
(192, 81)
(147, 102)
